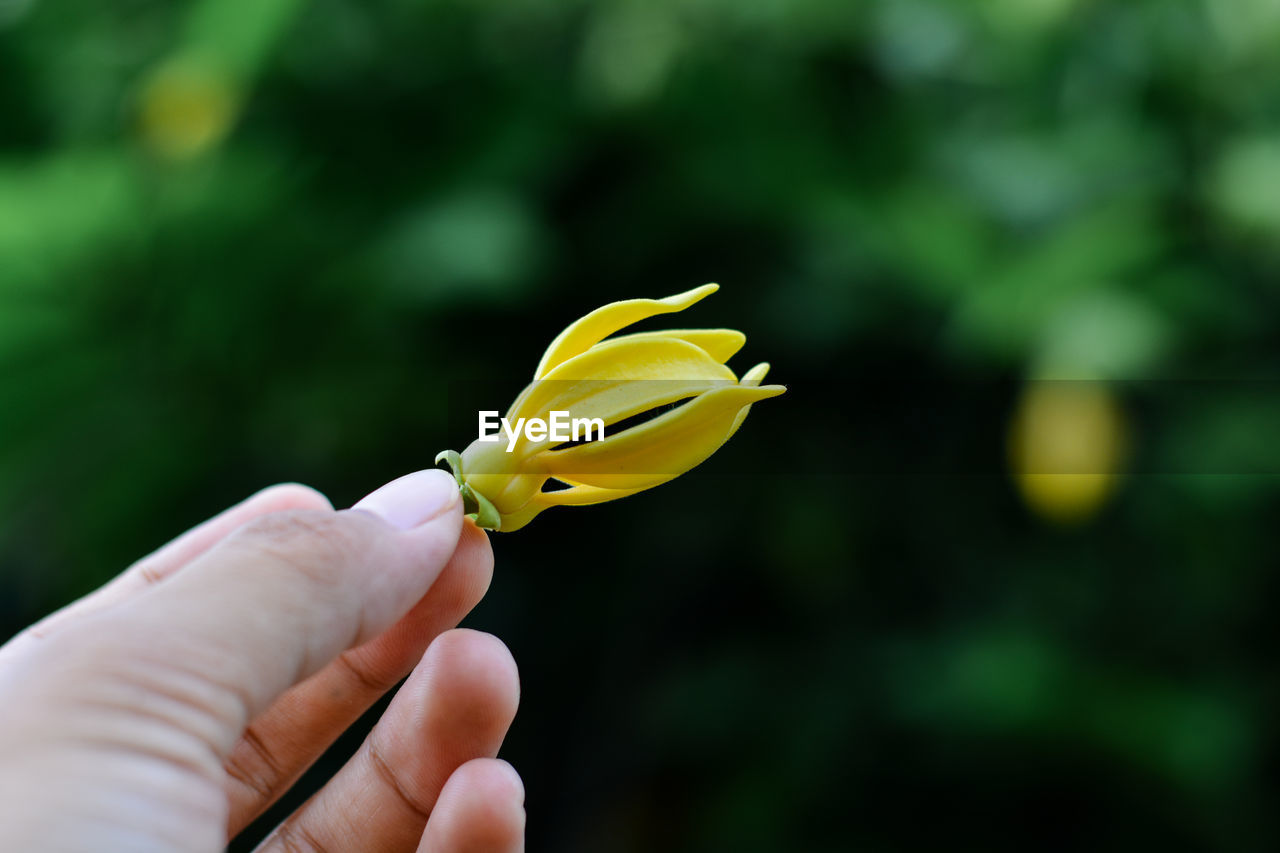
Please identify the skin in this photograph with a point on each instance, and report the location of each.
(170, 708)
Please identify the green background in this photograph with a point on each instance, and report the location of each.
(849, 630)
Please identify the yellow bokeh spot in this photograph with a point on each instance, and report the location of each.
(1066, 445)
(187, 107)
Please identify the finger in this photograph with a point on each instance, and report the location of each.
(480, 810)
(278, 599)
(456, 706)
(173, 556)
(288, 737)
(190, 545)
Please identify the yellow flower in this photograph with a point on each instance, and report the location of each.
(619, 380)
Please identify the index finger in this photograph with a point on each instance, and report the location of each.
(277, 599)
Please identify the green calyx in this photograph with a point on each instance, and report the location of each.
(477, 506)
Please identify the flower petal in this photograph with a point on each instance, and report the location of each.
(525, 514)
(602, 322)
(720, 344)
(574, 496)
(634, 358)
(582, 496)
(752, 377)
(619, 379)
(658, 450)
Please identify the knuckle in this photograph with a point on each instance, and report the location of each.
(318, 545)
(286, 496)
(253, 764)
(404, 789)
(370, 680)
(294, 837)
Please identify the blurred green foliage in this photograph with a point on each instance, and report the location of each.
(243, 242)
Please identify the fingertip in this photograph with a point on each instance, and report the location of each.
(414, 500)
(426, 508)
(490, 792)
(475, 549)
(479, 675)
(504, 780)
(480, 810)
(489, 780)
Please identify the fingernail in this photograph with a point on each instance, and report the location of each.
(414, 499)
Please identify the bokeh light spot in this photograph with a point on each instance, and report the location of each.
(1066, 445)
(187, 107)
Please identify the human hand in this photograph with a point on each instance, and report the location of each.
(168, 709)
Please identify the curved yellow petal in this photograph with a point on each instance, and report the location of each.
(720, 344)
(602, 322)
(658, 450)
(582, 496)
(752, 377)
(634, 359)
(521, 517)
(619, 379)
(573, 496)
(756, 374)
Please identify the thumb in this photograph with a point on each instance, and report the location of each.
(283, 595)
